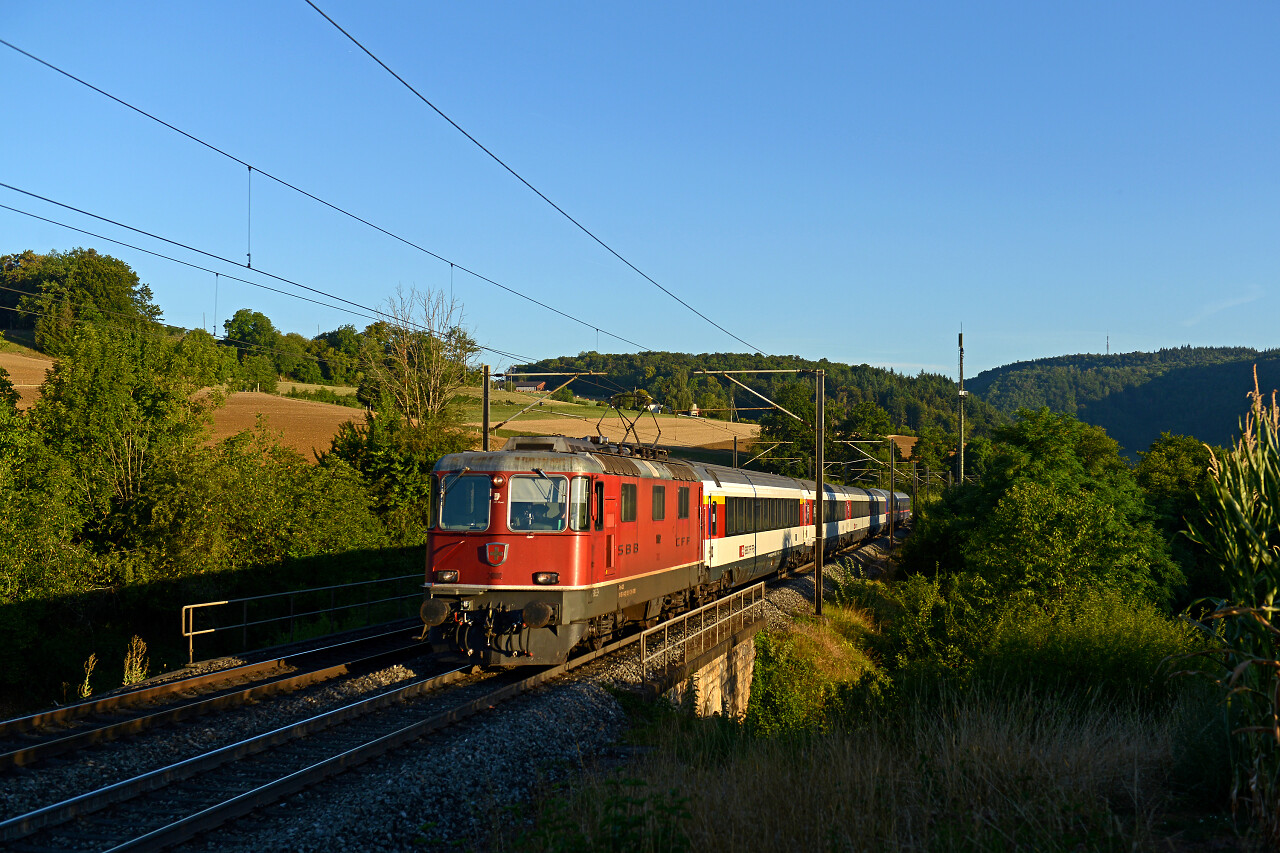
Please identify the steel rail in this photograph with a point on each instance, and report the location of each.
(241, 804)
(195, 708)
(140, 695)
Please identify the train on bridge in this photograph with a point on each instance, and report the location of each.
(555, 542)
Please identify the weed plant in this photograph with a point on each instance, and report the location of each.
(136, 663)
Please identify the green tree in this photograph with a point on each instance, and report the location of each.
(54, 292)
(396, 460)
(1174, 472)
(251, 333)
(118, 402)
(1057, 509)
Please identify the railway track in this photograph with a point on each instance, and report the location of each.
(27, 740)
(172, 804)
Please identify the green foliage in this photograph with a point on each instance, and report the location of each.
(1098, 642)
(1240, 530)
(787, 692)
(395, 459)
(324, 395)
(564, 395)
(1056, 509)
(116, 404)
(807, 676)
(53, 293)
(247, 502)
(628, 817)
(1174, 472)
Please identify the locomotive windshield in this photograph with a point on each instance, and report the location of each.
(464, 502)
(538, 502)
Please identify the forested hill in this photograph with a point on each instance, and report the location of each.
(913, 403)
(1197, 391)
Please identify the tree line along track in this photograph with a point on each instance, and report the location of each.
(27, 740)
(172, 804)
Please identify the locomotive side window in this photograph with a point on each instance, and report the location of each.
(599, 505)
(537, 502)
(659, 503)
(682, 502)
(464, 503)
(579, 503)
(628, 501)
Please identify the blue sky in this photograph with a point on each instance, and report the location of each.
(853, 181)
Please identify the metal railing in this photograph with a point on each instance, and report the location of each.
(317, 610)
(699, 630)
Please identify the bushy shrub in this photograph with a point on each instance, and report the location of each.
(1099, 642)
(802, 678)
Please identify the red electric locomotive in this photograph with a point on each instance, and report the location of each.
(553, 541)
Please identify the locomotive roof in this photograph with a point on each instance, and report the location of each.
(563, 454)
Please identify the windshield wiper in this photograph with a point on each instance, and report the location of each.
(448, 485)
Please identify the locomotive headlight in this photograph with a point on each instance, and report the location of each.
(546, 578)
(446, 577)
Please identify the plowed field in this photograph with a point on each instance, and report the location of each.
(304, 425)
(26, 373)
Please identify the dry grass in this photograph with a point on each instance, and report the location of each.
(962, 773)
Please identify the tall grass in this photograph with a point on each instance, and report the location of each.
(969, 770)
(1241, 530)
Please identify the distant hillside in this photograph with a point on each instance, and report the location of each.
(1197, 391)
(924, 401)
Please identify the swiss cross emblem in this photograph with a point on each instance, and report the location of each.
(496, 553)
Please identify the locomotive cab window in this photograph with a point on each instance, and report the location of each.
(537, 503)
(628, 501)
(659, 503)
(579, 503)
(463, 502)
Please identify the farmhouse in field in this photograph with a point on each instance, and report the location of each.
(531, 386)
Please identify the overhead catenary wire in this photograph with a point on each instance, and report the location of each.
(319, 200)
(261, 348)
(513, 356)
(522, 180)
(375, 314)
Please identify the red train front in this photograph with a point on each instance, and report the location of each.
(551, 542)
